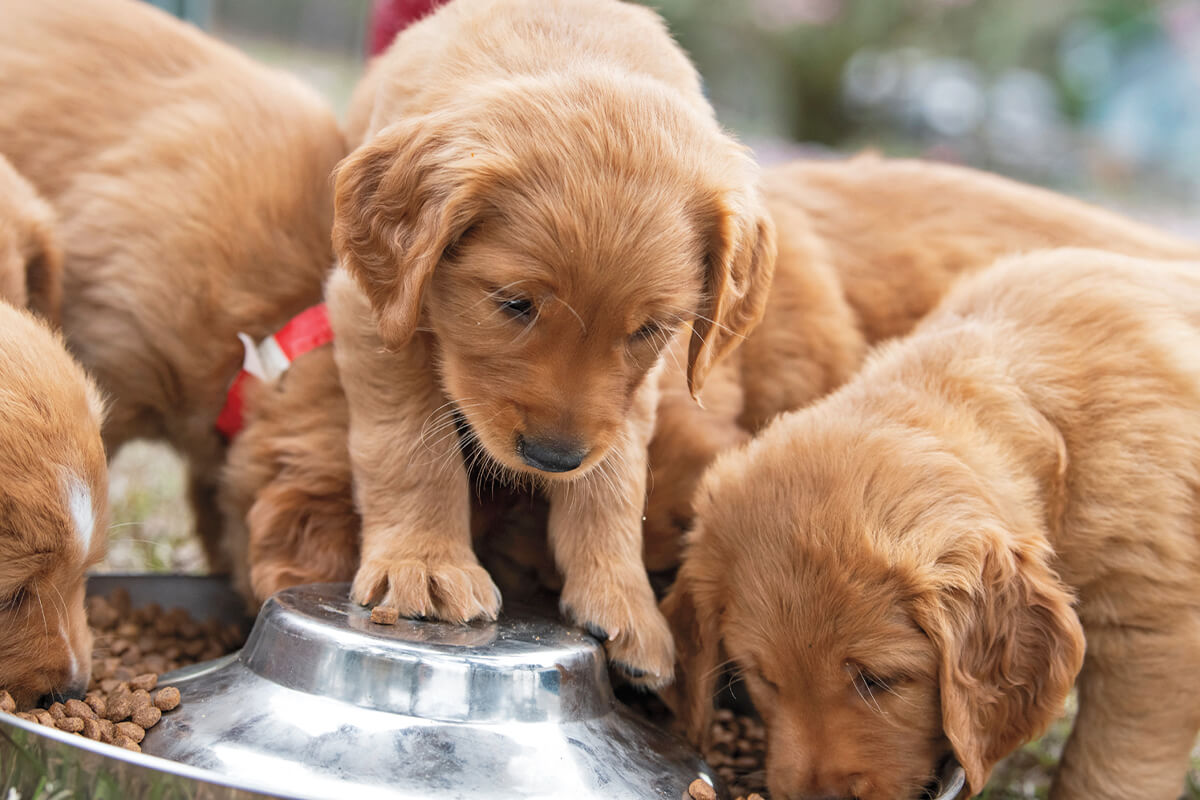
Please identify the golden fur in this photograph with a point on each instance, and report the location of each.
(909, 567)
(30, 261)
(287, 495)
(54, 510)
(288, 479)
(194, 193)
(866, 248)
(540, 200)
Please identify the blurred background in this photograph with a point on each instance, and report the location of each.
(1096, 98)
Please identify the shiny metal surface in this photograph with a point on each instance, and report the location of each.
(331, 705)
(321, 703)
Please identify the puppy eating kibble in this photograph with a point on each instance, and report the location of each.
(53, 510)
(909, 568)
(540, 201)
(866, 247)
(30, 260)
(194, 202)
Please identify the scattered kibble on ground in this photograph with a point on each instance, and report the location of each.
(132, 647)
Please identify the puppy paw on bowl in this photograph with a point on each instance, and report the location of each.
(635, 634)
(453, 590)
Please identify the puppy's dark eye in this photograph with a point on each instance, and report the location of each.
(516, 307)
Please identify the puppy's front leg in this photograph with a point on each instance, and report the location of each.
(595, 530)
(1138, 714)
(409, 479)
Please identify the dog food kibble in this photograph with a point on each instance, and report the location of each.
(167, 699)
(131, 730)
(699, 790)
(144, 682)
(384, 616)
(132, 646)
(737, 750)
(146, 716)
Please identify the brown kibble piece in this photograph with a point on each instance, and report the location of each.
(384, 615)
(91, 729)
(167, 699)
(120, 706)
(146, 716)
(25, 715)
(96, 702)
(754, 796)
(7, 704)
(57, 710)
(43, 717)
(145, 682)
(131, 730)
(141, 698)
(108, 731)
(699, 790)
(80, 709)
(127, 743)
(70, 724)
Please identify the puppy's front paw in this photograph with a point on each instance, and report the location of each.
(454, 591)
(635, 634)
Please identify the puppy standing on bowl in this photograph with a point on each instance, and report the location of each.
(909, 568)
(53, 510)
(540, 201)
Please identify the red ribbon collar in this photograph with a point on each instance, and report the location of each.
(270, 358)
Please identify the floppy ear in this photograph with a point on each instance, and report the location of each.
(740, 261)
(1010, 648)
(697, 657)
(400, 201)
(43, 274)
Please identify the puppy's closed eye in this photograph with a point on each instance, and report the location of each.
(12, 600)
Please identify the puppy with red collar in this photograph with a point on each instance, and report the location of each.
(53, 510)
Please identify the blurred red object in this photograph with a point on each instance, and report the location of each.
(389, 17)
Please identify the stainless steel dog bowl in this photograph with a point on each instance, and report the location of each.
(323, 703)
(326, 704)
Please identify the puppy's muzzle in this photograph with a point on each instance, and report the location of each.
(551, 455)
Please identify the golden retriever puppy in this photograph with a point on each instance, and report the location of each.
(866, 248)
(30, 261)
(53, 513)
(194, 193)
(540, 201)
(286, 491)
(909, 567)
(287, 495)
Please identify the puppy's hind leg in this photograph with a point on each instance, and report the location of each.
(1139, 713)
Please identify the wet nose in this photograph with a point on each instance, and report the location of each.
(551, 455)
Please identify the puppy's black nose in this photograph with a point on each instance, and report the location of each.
(550, 455)
(73, 691)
